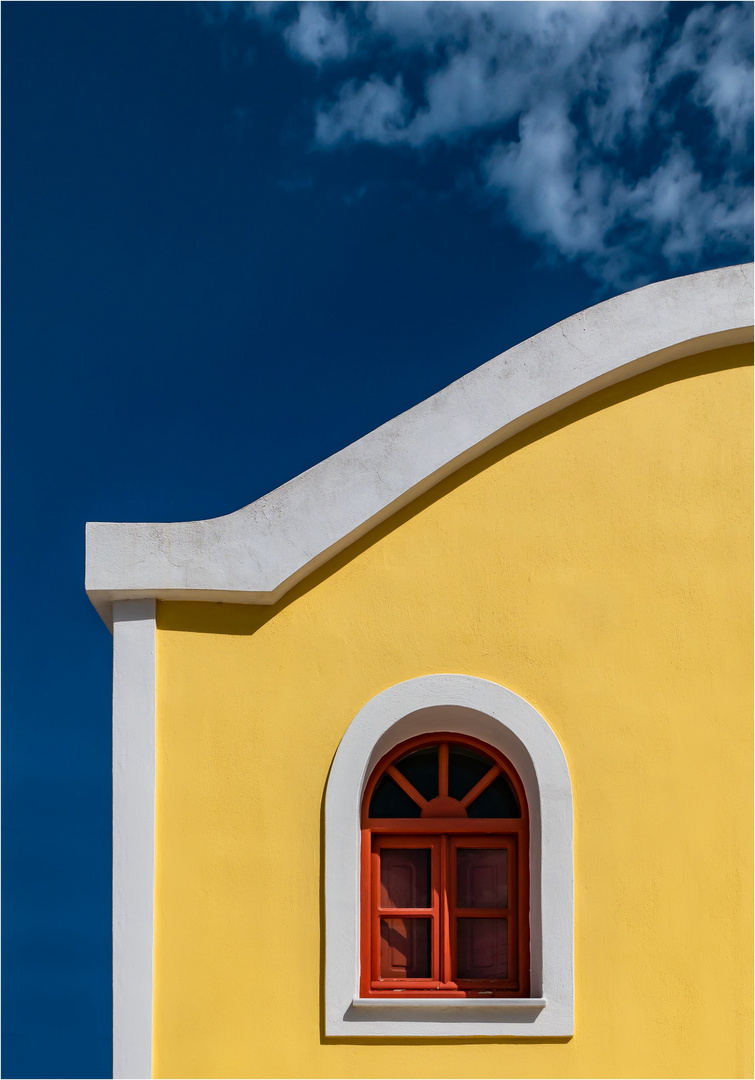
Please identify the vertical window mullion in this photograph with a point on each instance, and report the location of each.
(446, 966)
(375, 883)
(522, 909)
(513, 916)
(443, 770)
(437, 905)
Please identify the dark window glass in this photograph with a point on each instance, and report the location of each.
(388, 800)
(405, 948)
(497, 800)
(421, 769)
(405, 877)
(482, 949)
(465, 768)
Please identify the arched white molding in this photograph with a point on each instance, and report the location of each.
(255, 555)
(503, 719)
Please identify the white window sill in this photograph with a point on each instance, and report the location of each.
(514, 1006)
(450, 1017)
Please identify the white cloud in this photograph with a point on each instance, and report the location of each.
(318, 34)
(677, 207)
(540, 177)
(496, 59)
(587, 211)
(602, 169)
(375, 109)
(716, 47)
(263, 9)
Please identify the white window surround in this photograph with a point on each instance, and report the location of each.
(506, 721)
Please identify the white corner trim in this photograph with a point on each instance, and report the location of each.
(501, 718)
(133, 835)
(258, 553)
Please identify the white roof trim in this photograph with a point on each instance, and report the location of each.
(258, 553)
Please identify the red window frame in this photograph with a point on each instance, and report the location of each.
(445, 836)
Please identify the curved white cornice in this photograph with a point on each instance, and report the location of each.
(258, 553)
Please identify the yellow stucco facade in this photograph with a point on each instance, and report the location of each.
(599, 565)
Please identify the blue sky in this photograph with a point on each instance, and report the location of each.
(239, 236)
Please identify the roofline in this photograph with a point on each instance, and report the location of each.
(256, 554)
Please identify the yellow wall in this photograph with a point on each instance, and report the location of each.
(598, 565)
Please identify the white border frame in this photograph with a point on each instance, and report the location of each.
(133, 836)
(506, 721)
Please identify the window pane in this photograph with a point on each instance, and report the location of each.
(421, 769)
(497, 800)
(465, 768)
(388, 800)
(405, 948)
(405, 877)
(482, 878)
(482, 949)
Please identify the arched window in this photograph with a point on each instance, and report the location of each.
(445, 882)
(484, 726)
